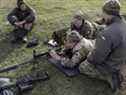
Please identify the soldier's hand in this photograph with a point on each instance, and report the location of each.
(18, 24)
(52, 52)
(54, 55)
(22, 22)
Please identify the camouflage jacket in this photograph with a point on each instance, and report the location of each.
(79, 53)
(17, 15)
(86, 30)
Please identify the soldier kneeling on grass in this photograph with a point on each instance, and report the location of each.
(22, 18)
(75, 50)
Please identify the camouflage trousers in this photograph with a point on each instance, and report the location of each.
(123, 83)
(90, 70)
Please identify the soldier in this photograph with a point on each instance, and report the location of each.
(75, 50)
(83, 26)
(22, 18)
(108, 60)
(79, 24)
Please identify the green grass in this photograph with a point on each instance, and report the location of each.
(51, 15)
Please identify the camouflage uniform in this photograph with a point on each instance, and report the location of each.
(18, 15)
(79, 52)
(107, 61)
(86, 30)
(60, 35)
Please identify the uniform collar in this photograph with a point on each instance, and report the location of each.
(114, 19)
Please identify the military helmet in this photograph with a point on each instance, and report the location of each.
(112, 7)
(74, 36)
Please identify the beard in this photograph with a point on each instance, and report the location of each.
(108, 21)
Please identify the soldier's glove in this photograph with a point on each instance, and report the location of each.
(54, 55)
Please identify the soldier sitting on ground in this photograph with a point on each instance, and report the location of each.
(22, 18)
(75, 50)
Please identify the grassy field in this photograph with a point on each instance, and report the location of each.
(51, 15)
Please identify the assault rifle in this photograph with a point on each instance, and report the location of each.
(33, 59)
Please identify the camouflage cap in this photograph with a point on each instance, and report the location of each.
(74, 36)
(112, 7)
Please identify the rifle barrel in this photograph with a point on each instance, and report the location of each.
(13, 67)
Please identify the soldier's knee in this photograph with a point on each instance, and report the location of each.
(83, 67)
(87, 69)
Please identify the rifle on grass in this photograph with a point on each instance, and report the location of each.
(13, 67)
(35, 56)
